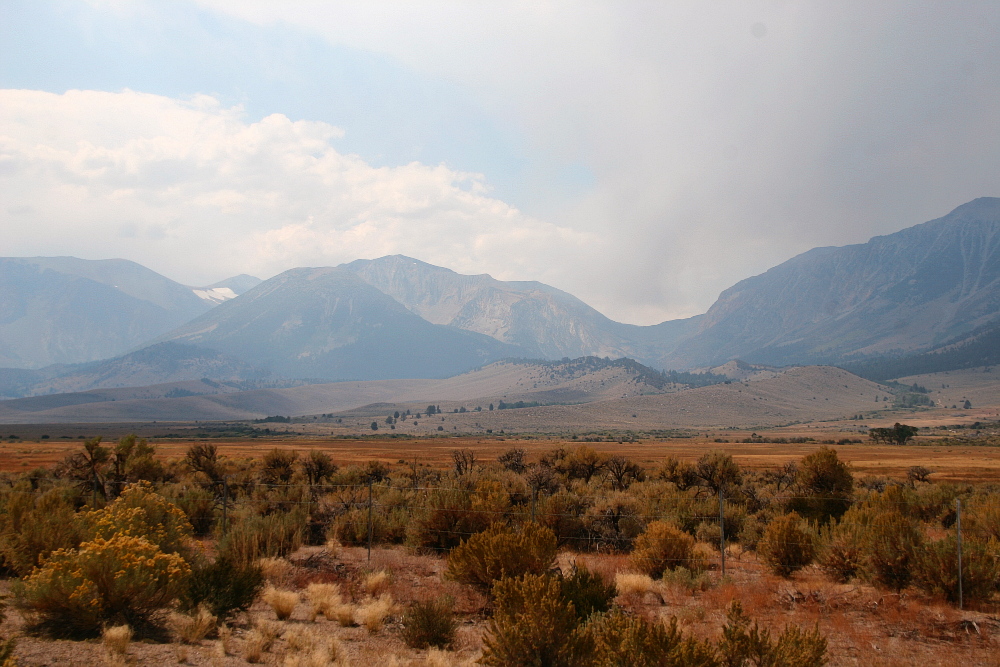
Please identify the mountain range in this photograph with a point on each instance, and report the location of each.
(69, 324)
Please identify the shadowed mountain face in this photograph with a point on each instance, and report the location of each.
(898, 293)
(328, 323)
(66, 310)
(546, 322)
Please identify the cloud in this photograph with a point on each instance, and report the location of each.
(647, 155)
(196, 191)
(722, 137)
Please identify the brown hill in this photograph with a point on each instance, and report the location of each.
(803, 394)
(572, 381)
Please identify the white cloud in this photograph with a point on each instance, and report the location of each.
(197, 192)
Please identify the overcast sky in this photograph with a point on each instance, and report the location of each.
(642, 156)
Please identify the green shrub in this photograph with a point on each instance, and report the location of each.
(825, 485)
(7, 646)
(982, 515)
(681, 577)
(429, 623)
(588, 592)
(751, 532)
(843, 549)
(198, 505)
(501, 552)
(124, 580)
(33, 526)
(615, 520)
(563, 512)
(449, 516)
(663, 546)
(787, 545)
(388, 527)
(224, 587)
(533, 624)
(743, 644)
(936, 568)
(890, 549)
(256, 537)
(630, 641)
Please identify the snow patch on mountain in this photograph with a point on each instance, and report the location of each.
(215, 294)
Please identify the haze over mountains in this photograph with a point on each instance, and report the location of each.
(396, 317)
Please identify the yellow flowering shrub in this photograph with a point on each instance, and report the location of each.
(122, 580)
(141, 512)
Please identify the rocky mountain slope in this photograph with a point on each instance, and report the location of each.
(327, 323)
(61, 310)
(898, 293)
(546, 322)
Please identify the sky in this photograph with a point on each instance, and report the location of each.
(643, 156)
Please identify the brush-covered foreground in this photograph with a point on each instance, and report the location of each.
(573, 557)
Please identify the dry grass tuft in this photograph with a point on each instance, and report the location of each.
(116, 639)
(438, 658)
(373, 612)
(344, 615)
(324, 598)
(630, 583)
(260, 639)
(276, 570)
(192, 628)
(282, 602)
(115, 660)
(225, 640)
(300, 639)
(255, 646)
(333, 547)
(321, 656)
(376, 583)
(269, 629)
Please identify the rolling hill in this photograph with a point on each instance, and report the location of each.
(577, 381)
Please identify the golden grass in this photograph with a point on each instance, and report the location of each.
(225, 640)
(344, 614)
(275, 570)
(282, 602)
(116, 639)
(255, 646)
(305, 649)
(192, 628)
(631, 583)
(115, 660)
(376, 583)
(373, 612)
(964, 464)
(323, 598)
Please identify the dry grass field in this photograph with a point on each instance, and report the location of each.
(949, 463)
